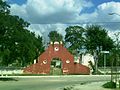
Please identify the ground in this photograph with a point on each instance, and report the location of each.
(49, 82)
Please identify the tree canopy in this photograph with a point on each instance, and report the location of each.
(75, 38)
(97, 38)
(91, 39)
(18, 46)
(55, 36)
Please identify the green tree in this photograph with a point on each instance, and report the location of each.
(18, 46)
(55, 36)
(115, 57)
(4, 7)
(97, 39)
(74, 38)
(116, 50)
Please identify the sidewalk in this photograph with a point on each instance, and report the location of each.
(5, 76)
(87, 86)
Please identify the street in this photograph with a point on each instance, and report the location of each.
(48, 82)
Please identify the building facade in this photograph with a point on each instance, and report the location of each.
(56, 51)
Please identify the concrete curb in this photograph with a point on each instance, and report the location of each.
(54, 76)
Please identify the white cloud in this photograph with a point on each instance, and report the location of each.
(101, 13)
(44, 29)
(19, 10)
(65, 11)
(106, 8)
(50, 11)
(44, 14)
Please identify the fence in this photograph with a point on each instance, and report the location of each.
(108, 69)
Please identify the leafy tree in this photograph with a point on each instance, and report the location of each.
(18, 46)
(116, 50)
(55, 36)
(4, 7)
(92, 38)
(75, 38)
(115, 56)
(97, 38)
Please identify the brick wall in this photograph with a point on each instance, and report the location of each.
(56, 50)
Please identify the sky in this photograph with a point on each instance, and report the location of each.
(49, 15)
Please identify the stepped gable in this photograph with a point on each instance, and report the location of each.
(56, 50)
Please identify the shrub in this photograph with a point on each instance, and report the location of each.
(110, 85)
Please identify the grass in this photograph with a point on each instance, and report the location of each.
(26, 75)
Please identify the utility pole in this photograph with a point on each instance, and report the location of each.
(104, 63)
(117, 42)
(117, 58)
(96, 61)
(105, 53)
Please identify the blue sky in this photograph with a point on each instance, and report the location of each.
(86, 10)
(48, 15)
(96, 3)
(62, 11)
(20, 2)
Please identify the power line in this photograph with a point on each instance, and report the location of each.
(83, 23)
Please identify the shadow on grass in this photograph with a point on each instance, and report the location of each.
(7, 79)
(110, 85)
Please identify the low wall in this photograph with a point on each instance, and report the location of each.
(11, 72)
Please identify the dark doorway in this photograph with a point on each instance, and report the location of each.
(56, 66)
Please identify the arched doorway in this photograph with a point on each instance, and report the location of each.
(56, 66)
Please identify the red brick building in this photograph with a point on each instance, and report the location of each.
(56, 50)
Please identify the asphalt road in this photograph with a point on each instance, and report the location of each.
(49, 82)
